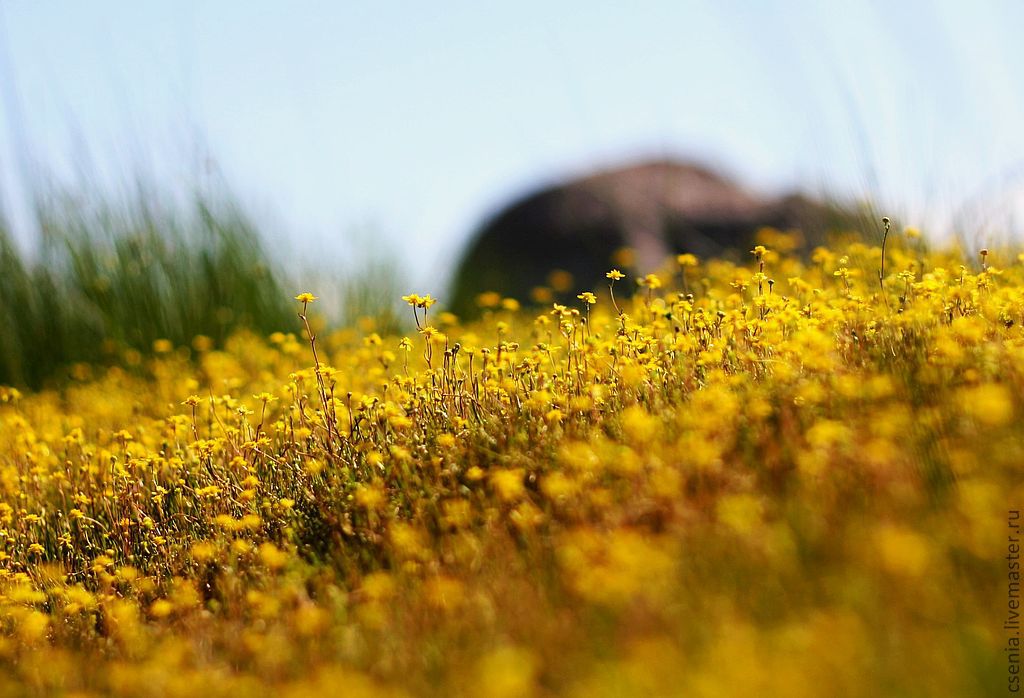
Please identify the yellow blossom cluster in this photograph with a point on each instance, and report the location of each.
(775, 479)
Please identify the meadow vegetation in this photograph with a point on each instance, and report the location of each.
(783, 478)
(122, 273)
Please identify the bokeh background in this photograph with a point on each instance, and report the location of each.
(403, 125)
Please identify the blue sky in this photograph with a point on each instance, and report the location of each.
(408, 123)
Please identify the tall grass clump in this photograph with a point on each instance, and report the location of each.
(30, 313)
(139, 272)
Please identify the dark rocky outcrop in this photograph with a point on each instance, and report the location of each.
(656, 208)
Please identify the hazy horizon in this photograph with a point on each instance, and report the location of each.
(409, 125)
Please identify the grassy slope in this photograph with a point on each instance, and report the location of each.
(792, 489)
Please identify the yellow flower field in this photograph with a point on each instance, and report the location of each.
(786, 478)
